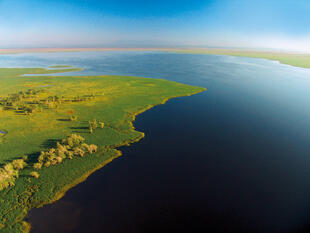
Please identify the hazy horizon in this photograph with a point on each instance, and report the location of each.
(246, 24)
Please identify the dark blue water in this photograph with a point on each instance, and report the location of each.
(233, 159)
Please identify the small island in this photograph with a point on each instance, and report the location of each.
(63, 128)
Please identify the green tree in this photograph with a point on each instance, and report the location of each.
(18, 164)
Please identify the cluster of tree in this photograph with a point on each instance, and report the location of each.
(28, 102)
(9, 172)
(94, 125)
(73, 145)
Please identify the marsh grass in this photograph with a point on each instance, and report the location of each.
(113, 100)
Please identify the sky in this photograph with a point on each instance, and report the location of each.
(261, 24)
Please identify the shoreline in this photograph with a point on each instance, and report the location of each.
(14, 215)
(84, 177)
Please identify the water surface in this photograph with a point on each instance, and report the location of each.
(233, 159)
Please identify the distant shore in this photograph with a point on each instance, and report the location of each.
(55, 50)
(294, 59)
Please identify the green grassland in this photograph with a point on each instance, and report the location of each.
(113, 100)
(293, 59)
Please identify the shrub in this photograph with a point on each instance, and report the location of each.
(41, 157)
(18, 164)
(59, 159)
(78, 152)
(73, 118)
(37, 166)
(93, 148)
(73, 140)
(93, 124)
(70, 154)
(8, 176)
(35, 174)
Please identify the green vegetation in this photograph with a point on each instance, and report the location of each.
(35, 174)
(293, 59)
(58, 130)
(32, 101)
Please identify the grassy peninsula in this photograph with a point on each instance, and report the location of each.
(56, 130)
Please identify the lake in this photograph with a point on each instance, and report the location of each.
(235, 158)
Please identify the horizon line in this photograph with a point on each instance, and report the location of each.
(94, 49)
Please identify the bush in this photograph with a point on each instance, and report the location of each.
(37, 166)
(8, 176)
(73, 140)
(93, 124)
(78, 152)
(73, 118)
(35, 174)
(93, 148)
(19, 164)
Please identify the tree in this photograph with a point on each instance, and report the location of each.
(18, 164)
(79, 152)
(8, 176)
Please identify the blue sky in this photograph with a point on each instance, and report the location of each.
(279, 24)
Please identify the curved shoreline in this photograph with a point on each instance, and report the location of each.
(55, 182)
(84, 177)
